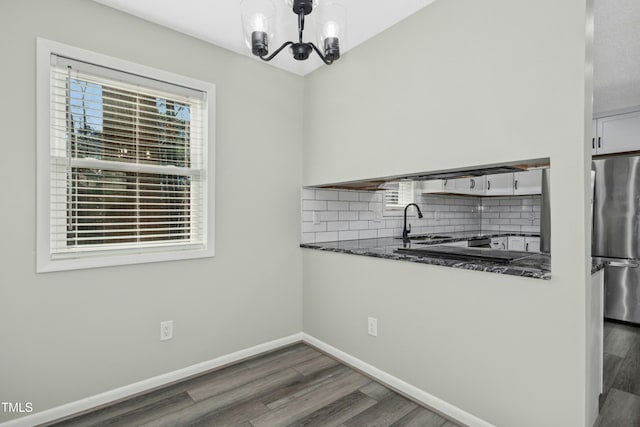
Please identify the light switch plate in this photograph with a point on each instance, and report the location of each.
(372, 326)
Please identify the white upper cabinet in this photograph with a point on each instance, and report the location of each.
(527, 182)
(499, 184)
(478, 185)
(617, 134)
(432, 186)
(503, 184)
(473, 186)
(449, 185)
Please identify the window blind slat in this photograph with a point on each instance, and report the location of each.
(127, 161)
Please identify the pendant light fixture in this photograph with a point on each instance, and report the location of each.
(258, 22)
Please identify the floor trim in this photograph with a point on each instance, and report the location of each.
(122, 392)
(65, 410)
(399, 385)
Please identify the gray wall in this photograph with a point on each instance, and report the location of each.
(462, 83)
(70, 335)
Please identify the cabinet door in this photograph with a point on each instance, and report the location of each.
(474, 186)
(478, 185)
(449, 185)
(594, 138)
(532, 244)
(431, 186)
(516, 243)
(527, 182)
(499, 184)
(618, 133)
(499, 243)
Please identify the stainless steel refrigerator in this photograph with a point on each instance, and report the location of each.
(616, 233)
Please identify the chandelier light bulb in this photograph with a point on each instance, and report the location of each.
(259, 22)
(331, 29)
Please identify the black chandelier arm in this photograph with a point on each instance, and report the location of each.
(324, 59)
(270, 57)
(300, 25)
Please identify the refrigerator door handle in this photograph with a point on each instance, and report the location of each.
(622, 264)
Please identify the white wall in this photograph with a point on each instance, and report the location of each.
(462, 83)
(69, 335)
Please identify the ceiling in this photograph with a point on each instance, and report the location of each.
(616, 35)
(218, 22)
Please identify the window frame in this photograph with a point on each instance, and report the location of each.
(44, 260)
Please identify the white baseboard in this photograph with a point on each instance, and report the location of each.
(148, 384)
(397, 384)
(160, 380)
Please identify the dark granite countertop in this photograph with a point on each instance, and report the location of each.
(524, 264)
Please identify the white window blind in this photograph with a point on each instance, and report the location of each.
(127, 162)
(398, 195)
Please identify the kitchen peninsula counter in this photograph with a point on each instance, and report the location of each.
(534, 265)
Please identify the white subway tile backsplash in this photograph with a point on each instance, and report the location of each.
(347, 235)
(509, 215)
(349, 196)
(376, 225)
(375, 206)
(328, 216)
(358, 206)
(393, 223)
(347, 214)
(325, 194)
(308, 237)
(329, 236)
(385, 232)
(366, 215)
(367, 234)
(314, 205)
(338, 206)
(371, 196)
(338, 226)
(308, 194)
(358, 225)
(310, 227)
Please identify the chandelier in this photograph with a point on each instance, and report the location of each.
(258, 22)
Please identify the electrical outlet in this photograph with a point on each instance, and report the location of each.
(372, 326)
(316, 218)
(166, 330)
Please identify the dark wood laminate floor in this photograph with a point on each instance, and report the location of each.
(620, 401)
(300, 386)
(294, 386)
